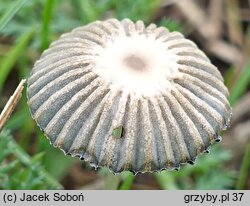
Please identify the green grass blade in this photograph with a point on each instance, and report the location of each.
(85, 10)
(47, 16)
(11, 12)
(171, 24)
(166, 180)
(244, 170)
(228, 77)
(7, 167)
(8, 62)
(128, 181)
(241, 85)
(111, 181)
(78, 11)
(25, 159)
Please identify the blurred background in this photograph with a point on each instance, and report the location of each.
(221, 28)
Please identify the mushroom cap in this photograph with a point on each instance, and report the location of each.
(129, 97)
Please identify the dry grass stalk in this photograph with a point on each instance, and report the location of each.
(216, 16)
(233, 22)
(204, 25)
(11, 104)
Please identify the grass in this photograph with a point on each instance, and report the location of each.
(241, 85)
(14, 54)
(244, 171)
(24, 172)
(10, 12)
(207, 167)
(128, 178)
(26, 38)
(46, 19)
(236, 92)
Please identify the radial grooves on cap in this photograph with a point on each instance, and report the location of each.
(189, 115)
(171, 36)
(140, 27)
(147, 136)
(73, 39)
(55, 57)
(78, 146)
(212, 116)
(207, 78)
(113, 29)
(61, 44)
(97, 31)
(85, 60)
(161, 144)
(94, 30)
(179, 43)
(87, 36)
(75, 123)
(214, 102)
(120, 150)
(59, 85)
(119, 153)
(160, 31)
(207, 88)
(78, 108)
(115, 23)
(140, 158)
(201, 123)
(106, 27)
(108, 155)
(157, 145)
(199, 64)
(103, 30)
(69, 47)
(95, 144)
(52, 105)
(62, 116)
(129, 27)
(189, 132)
(55, 76)
(63, 64)
(37, 100)
(80, 143)
(118, 28)
(176, 136)
(91, 37)
(187, 51)
(206, 97)
(132, 157)
(150, 28)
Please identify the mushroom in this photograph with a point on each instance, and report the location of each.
(129, 97)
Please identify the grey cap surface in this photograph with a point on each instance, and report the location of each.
(129, 97)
